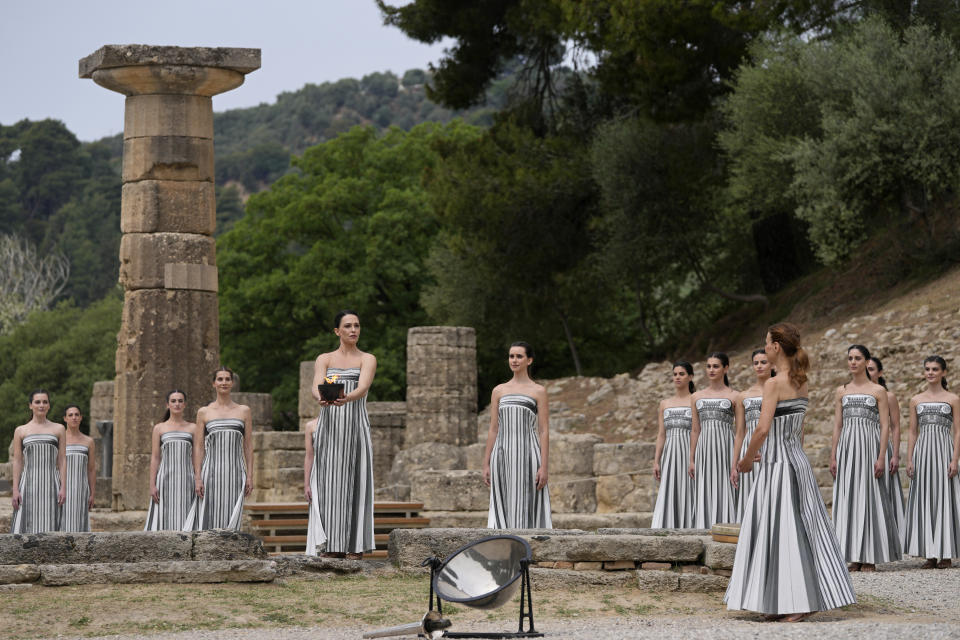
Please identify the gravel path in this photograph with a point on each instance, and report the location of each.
(929, 600)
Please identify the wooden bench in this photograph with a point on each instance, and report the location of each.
(283, 525)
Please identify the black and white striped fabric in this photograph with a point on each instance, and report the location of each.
(674, 507)
(39, 485)
(788, 559)
(715, 497)
(224, 474)
(175, 483)
(76, 508)
(751, 414)
(893, 492)
(515, 502)
(933, 507)
(341, 508)
(862, 512)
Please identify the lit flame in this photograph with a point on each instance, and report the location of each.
(330, 380)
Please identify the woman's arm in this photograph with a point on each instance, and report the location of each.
(837, 426)
(543, 419)
(740, 420)
(694, 435)
(17, 466)
(880, 465)
(911, 434)
(768, 407)
(199, 445)
(368, 368)
(661, 440)
(491, 434)
(308, 463)
(952, 469)
(248, 449)
(62, 464)
(319, 373)
(894, 431)
(155, 463)
(92, 471)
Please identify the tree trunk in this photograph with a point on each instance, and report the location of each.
(573, 347)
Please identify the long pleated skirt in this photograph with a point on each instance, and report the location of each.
(893, 491)
(932, 528)
(862, 516)
(175, 483)
(76, 509)
(716, 498)
(224, 474)
(745, 480)
(674, 506)
(788, 559)
(515, 501)
(341, 507)
(39, 486)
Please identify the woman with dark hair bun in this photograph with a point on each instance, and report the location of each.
(222, 459)
(932, 528)
(862, 512)
(515, 460)
(39, 470)
(788, 562)
(713, 414)
(893, 489)
(81, 479)
(172, 479)
(674, 508)
(338, 461)
(747, 415)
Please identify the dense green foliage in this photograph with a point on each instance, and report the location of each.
(64, 350)
(350, 229)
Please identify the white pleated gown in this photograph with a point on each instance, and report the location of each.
(175, 483)
(224, 474)
(715, 498)
(341, 478)
(515, 502)
(751, 413)
(788, 559)
(893, 492)
(862, 511)
(76, 508)
(674, 507)
(932, 527)
(39, 486)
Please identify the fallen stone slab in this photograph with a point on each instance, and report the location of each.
(686, 582)
(18, 573)
(224, 544)
(159, 572)
(601, 521)
(409, 547)
(695, 583)
(718, 555)
(567, 578)
(646, 531)
(611, 548)
(299, 564)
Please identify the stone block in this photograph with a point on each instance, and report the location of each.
(567, 579)
(573, 495)
(646, 531)
(221, 544)
(111, 56)
(611, 490)
(473, 456)
(392, 493)
(656, 566)
(274, 459)
(409, 547)
(658, 581)
(301, 565)
(78, 548)
(693, 583)
(159, 572)
(572, 455)
(619, 565)
(593, 547)
(151, 206)
(274, 440)
(101, 404)
(168, 114)
(587, 566)
(457, 519)
(387, 414)
(261, 408)
(426, 456)
(596, 521)
(144, 256)
(450, 490)
(177, 158)
(642, 498)
(103, 496)
(623, 457)
(18, 573)
(718, 555)
(307, 405)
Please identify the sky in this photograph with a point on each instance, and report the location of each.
(301, 41)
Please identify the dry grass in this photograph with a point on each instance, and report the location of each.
(367, 602)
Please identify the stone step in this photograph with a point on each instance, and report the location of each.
(128, 547)
(181, 572)
(585, 521)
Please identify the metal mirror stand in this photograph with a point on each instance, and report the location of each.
(526, 605)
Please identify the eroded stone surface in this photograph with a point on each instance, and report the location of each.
(450, 490)
(157, 572)
(18, 573)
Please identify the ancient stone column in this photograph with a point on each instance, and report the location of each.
(169, 336)
(441, 386)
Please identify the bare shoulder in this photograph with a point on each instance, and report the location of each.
(368, 358)
(878, 392)
(839, 392)
(540, 392)
(87, 440)
(323, 359)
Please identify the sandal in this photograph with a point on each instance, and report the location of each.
(931, 563)
(946, 563)
(854, 566)
(798, 617)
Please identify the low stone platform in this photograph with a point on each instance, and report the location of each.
(585, 521)
(134, 557)
(662, 560)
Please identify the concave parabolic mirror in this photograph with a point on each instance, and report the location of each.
(484, 574)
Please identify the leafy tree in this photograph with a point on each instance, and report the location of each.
(64, 350)
(351, 228)
(851, 135)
